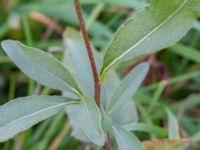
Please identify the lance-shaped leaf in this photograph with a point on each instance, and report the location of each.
(41, 66)
(90, 121)
(77, 61)
(128, 87)
(158, 131)
(109, 86)
(160, 25)
(22, 113)
(126, 140)
(173, 126)
(77, 133)
(126, 114)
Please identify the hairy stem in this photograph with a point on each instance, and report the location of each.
(97, 85)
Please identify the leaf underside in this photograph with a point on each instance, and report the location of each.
(81, 70)
(41, 66)
(88, 120)
(173, 126)
(128, 87)
(126, 140)
(22, 113)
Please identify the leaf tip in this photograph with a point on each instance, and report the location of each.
(145, 66)
(6, 43)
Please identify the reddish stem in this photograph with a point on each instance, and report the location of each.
(97, 85)
(107, 143)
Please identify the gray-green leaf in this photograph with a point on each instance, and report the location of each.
(77, 61)
(126, 140)
(126, 114)
(41, 66)
(90, 121)
(22, 113)
(128, 87)
(109, 86)
(173, 126)
(152, 129)
(81, 71)
(158, 26)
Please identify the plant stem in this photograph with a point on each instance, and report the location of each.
(97, 85)
(107, 143)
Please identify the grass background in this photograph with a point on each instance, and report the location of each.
(173, 81)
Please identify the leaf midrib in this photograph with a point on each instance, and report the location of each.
(115, 100)
(70, 87)
(35, 113)
(146, 36)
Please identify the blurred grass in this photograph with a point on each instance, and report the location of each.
(181, 91)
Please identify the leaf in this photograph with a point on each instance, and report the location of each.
(128, 87)
(109, 85)
(166, 144)
(41, 66)
(81, 71)
(77, 133)
(191, 102)
(126, 140)
(158, 26)
(173, 126)
(159, 132)
(186, 52)
(77, 61)
(89, 121)
(126, 114)
(75, 50)
(22, 113)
